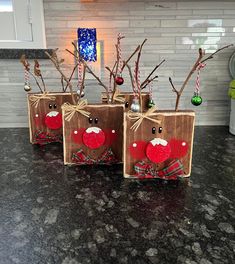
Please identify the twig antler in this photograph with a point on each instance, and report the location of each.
(57, 63)
(26, 65)
(137, 70)
(38, 73)
(193, 69)
(87, 68)
(147, 81)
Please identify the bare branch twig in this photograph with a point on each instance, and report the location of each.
(56, 64)
(151, 73)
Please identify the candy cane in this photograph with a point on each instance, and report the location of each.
(119, 53)
(26, 76)
(79, 75)
(137, 80)
(197, 86)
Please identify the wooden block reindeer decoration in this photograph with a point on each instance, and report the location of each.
(44, 108)
(93, 134)
(158, 144)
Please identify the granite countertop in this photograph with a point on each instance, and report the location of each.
(30, 53)
(50, 213)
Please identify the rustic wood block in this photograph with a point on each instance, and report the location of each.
(94, 135)
(45, 119)
(177, 130)
(129, 98)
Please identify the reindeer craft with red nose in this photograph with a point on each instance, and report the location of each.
(158, 144)
(92, 134)
(45, 117)
(44, 108)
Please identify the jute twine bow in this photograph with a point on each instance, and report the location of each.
(70, 110)
(139, 117)
(118, 97)
(35, 99)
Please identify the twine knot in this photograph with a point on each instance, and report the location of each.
(70, 110)
(35, 99)
(139, 117)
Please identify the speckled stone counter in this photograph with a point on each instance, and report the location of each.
(30, 53)
(51, 214)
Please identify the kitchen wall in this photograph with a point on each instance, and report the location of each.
(175, 30)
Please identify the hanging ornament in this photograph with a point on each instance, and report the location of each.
(135, 106)
(82, 93)
(119, 79)
(27, 86)
(150, 102)
(197, 99)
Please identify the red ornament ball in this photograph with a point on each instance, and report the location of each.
(179, 148)
(93, 137)
(53, 120)
(158, 150)
(119, 80)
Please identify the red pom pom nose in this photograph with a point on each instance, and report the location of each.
(53, 120)
(158, 150)
(93, 137)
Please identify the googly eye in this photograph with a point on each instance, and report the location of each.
(55, 106)
(96, 120)
(90, 120)
(153, 130)
(160, 130)
(50, 106)
(126, 104)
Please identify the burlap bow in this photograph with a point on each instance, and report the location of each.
(117, 97)
(35, 99)
(70, 110)
(138, 117)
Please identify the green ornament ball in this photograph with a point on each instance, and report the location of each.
(150, 103)
(196, 100)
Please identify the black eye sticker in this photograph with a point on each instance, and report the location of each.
(90, 120)
(160, 130)
(55, 106)
(96, 120)
(153, 130)
(126, 104)
(50, 106)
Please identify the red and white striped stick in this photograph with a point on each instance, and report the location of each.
(197, 86)
(119, 53)
(26, 76)
(79, 75)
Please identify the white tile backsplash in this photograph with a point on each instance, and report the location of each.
(174, 29)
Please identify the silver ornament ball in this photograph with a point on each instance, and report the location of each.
(27, 87)
(135, 106)
(82, 93)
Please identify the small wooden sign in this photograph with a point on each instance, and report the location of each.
(45, 117)
(97, 139)
(162, 139)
